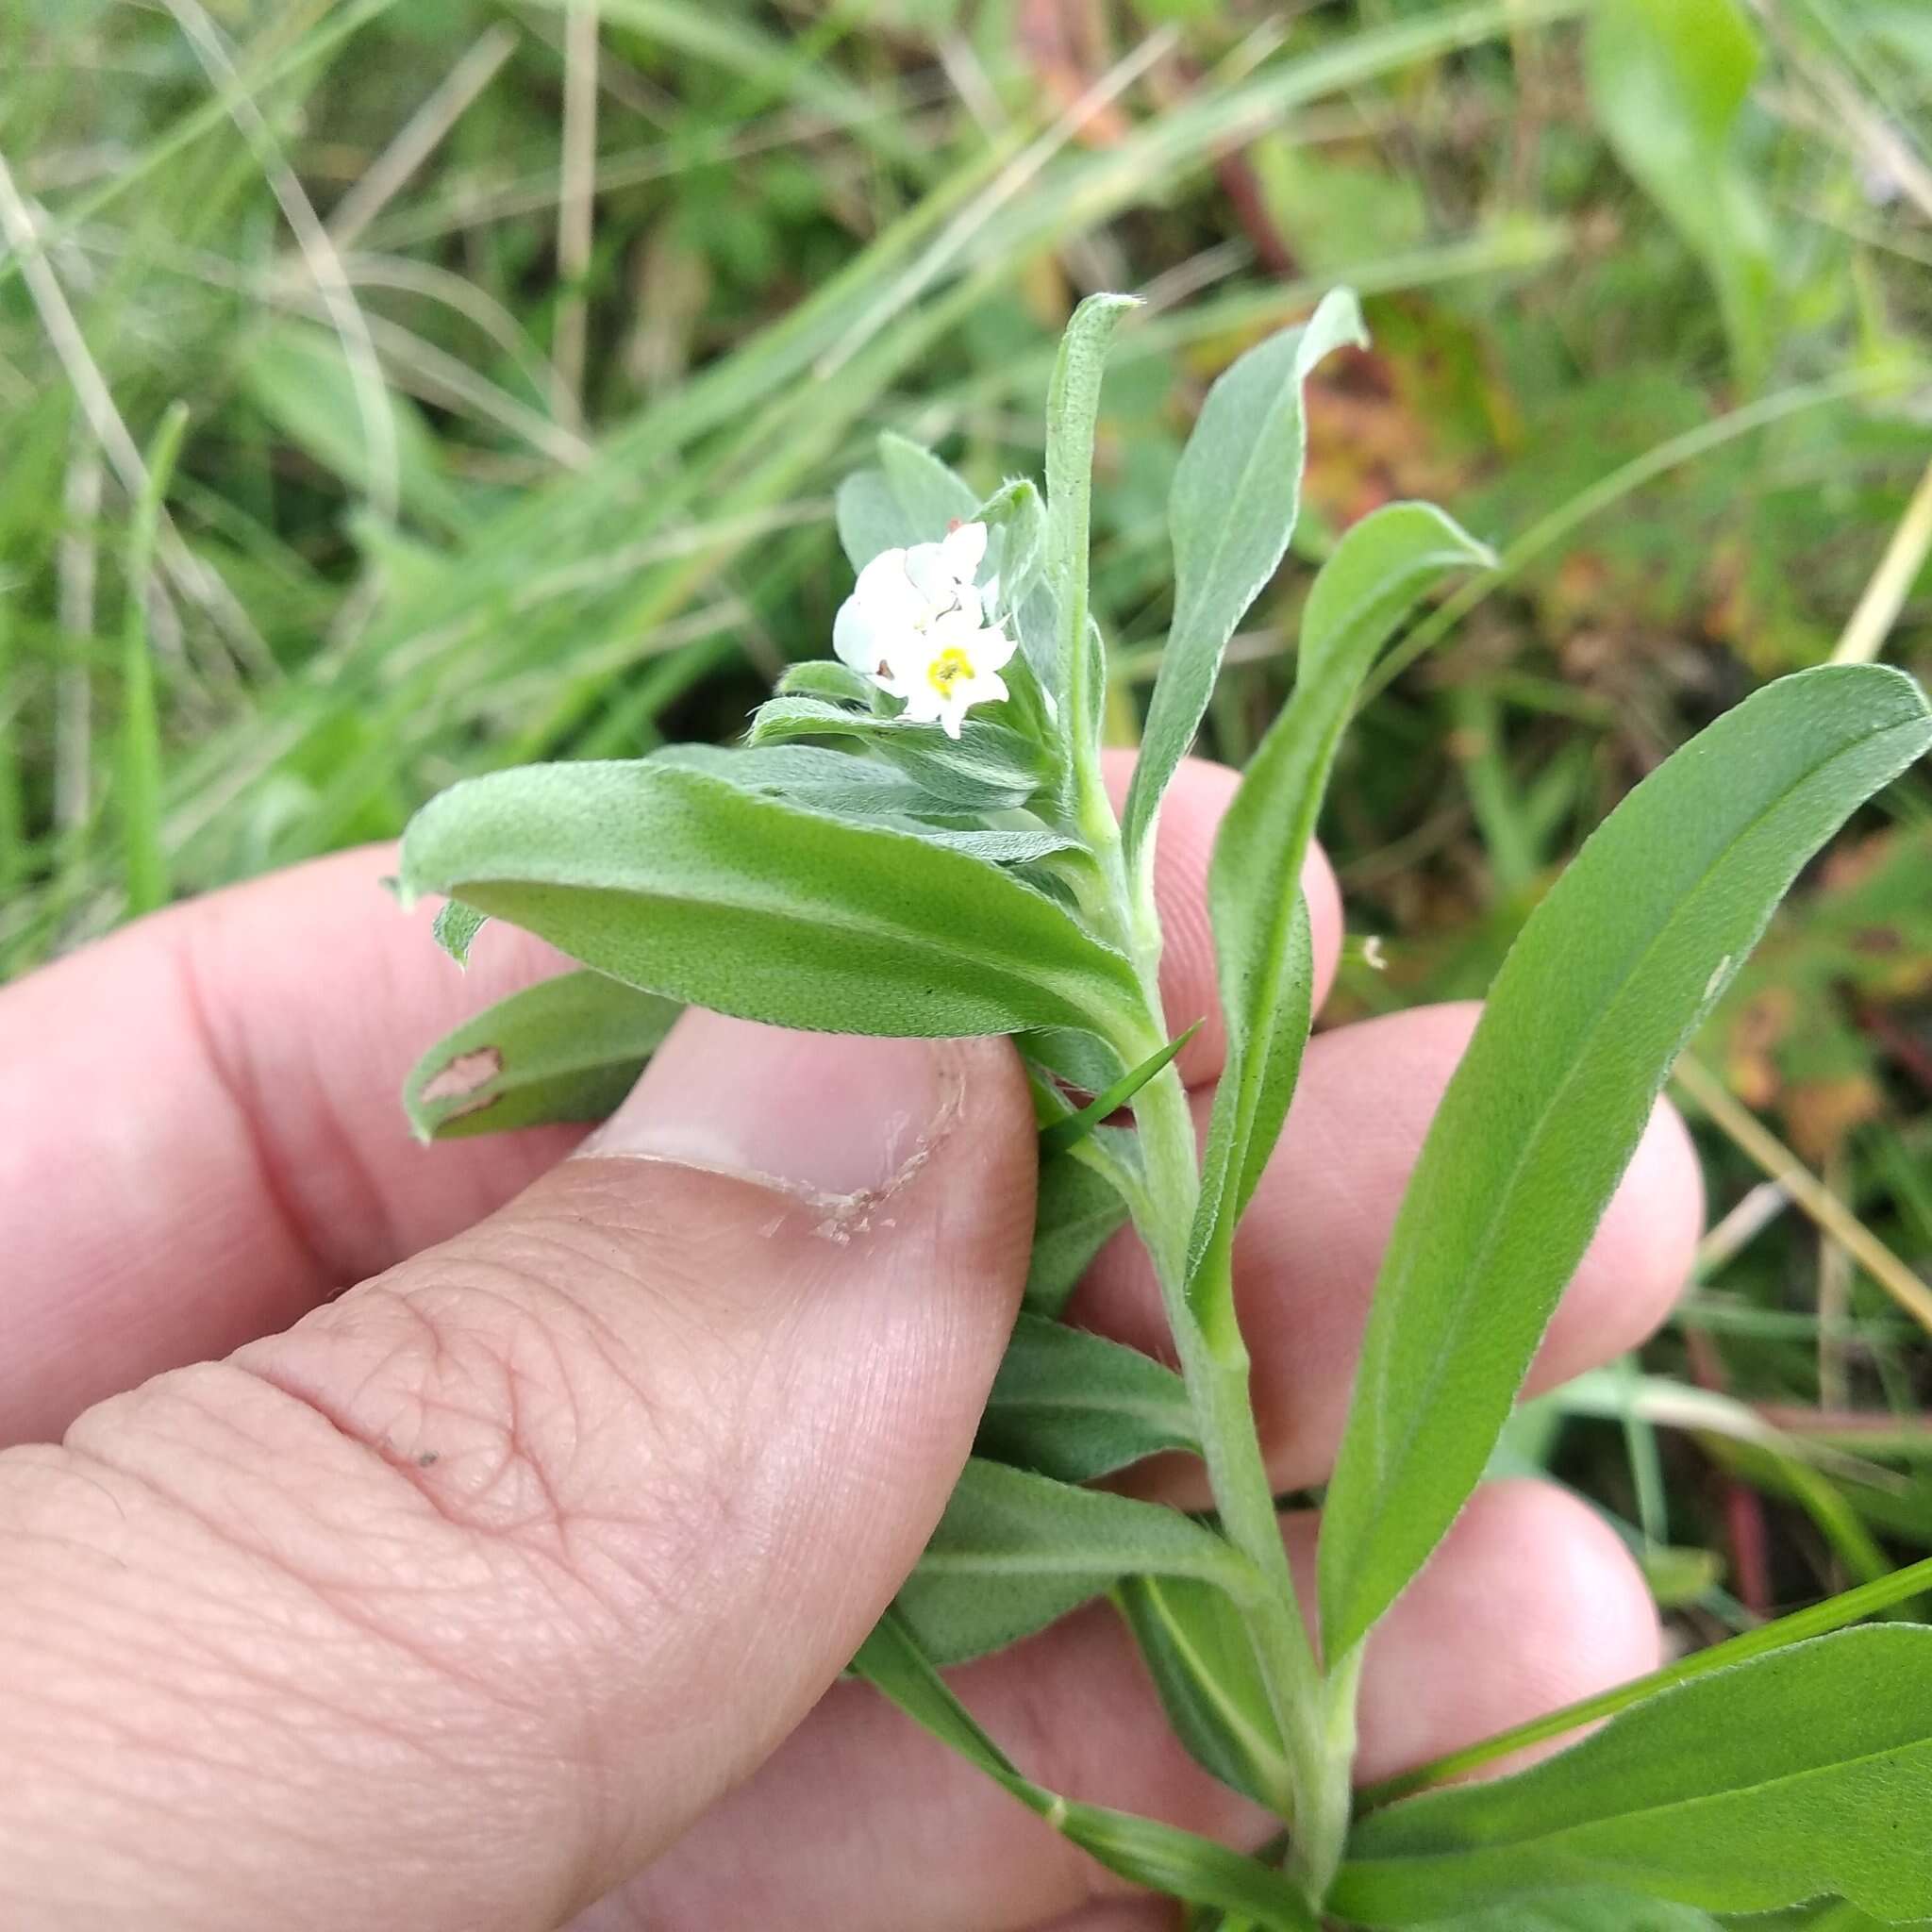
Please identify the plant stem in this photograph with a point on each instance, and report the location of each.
(1316, 1716)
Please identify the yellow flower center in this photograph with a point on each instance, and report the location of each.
(948, 667)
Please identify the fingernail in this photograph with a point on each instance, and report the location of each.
(815, 1112)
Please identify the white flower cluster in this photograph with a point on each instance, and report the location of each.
(915, 624)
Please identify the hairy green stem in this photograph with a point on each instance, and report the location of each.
(1316, 1715)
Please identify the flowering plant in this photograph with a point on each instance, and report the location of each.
(914, 839)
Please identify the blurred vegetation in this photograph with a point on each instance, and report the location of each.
(520, 348)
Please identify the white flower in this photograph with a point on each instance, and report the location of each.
(915, 625)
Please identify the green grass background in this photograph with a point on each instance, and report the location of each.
(391, 389)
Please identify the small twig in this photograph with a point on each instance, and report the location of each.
(1745, 1528)
(1739, 1227)
(576, 197)
(1018, 174)
(1835, 1273)
(1755, 1140)
(194, 579)
(1885, 595)
(78, 573)
(317, 252)
(419, 135)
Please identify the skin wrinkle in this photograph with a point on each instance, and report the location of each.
(179, 1710)
(348, 1600)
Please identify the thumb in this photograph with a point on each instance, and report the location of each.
(456, 1602)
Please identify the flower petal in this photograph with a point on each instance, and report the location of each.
(922, 703)
(856, 636)
(932, 582)
(991, 649)
(964, 551)
(886, 590)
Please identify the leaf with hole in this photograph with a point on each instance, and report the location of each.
(566, 1049)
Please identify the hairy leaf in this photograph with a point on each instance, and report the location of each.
(1068, 1129)
(565, 1049)
(1073, 1406)
(1610, 976)
(1594, 1908)
(912, 497)
(1237, 494)
(455, 928)
(1078, 1212)
(1075, 673)
(1015, 1551)
(1806, 1771)
(1197, 1649)
(1379, 570)
(678, 883)
(814, 777)
(989, 768)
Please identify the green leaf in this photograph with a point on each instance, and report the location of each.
(1378, 572)
(1237, 494)
(1078, 1212)
(678, 883)
(912, 497)
(1069, 1130)
(300, 380)
(1203, 1663)
(1073, 1406)
(814, 777)
(997, 844)
(455, 928)
(1015, 1551)
(1668, 83)
(822, 677)
(1807, 1771)
(988, 768)
(1074, 674)
(1612, 974)
(1141, 1850)
(565, 1049)
(1016, 515)
(1819, 1915)
(1591, 1909)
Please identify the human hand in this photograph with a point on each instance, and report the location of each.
(512, 1584)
